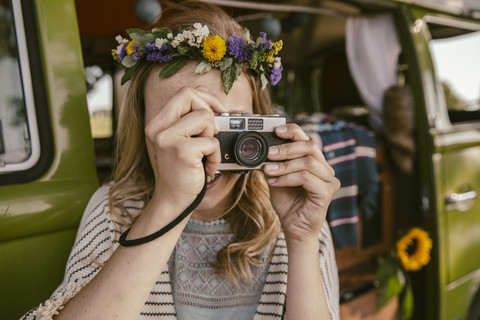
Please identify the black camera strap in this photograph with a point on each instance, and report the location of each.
(135, 242)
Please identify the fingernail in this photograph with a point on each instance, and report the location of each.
(273, 151)
(271, 167)
(272, 180)
(281, 129)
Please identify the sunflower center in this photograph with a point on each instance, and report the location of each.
(412, 247)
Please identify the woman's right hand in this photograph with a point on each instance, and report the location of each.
(179, 134)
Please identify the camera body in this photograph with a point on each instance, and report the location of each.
(245, 139)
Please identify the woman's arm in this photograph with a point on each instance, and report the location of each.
(305, 292)
(179, 135)
(301, 188)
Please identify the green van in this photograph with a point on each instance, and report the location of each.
(406, 70)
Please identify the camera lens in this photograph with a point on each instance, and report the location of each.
(251, 149)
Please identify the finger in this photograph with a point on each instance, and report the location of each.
(185, 101)
(196, 123)
(307, 181)
(191, 151)
(212, 100)
(208, 147)
(291, 131)
(298, 149)
(307, 163)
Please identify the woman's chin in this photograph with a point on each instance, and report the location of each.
(218, 197)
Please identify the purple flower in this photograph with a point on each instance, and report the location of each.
(135, 56)
(276, 75)
(266, 42)
(123, 53)
(236, 48)
(155, 54)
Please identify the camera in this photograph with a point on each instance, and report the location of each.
(245, 138)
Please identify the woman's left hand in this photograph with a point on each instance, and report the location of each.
(302, 185)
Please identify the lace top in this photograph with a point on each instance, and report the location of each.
(202, 298)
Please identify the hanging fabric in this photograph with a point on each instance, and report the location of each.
(372, 51)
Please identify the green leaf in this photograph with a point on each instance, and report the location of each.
(183, 50)
(225, 63)
(259, 41)
(129, 62)
(193, 53)
(391, 279)
(246, 34)
(264, 81)
(127, 75)
(161, 32)
(173, 66)
(407, 303)
(203, 67)
(254, 60)
(230, 75)
(141, 36)
(136, 30)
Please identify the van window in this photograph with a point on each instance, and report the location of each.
(456, 55)
(19, 142)
(100, 101)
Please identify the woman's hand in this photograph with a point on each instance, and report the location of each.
(179, 135)
(301, 186)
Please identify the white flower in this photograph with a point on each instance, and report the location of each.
(200, 32)
(170, 36)
(119, 49)
(277, 62)
(177, 40)
(192, 40)
(159, 42)
(119, 39)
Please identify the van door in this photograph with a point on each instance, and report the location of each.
(453, 107)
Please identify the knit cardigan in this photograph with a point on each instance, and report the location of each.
(97, 238)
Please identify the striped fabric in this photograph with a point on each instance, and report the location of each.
(351, 151)
(96, 241)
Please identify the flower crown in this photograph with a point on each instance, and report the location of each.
(196, 43)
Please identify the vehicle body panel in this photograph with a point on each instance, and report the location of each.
(38, 219)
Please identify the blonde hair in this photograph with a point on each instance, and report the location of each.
(254, 224)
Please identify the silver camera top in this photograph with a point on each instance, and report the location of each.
(248, 122)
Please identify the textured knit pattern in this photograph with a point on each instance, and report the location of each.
(95, 242)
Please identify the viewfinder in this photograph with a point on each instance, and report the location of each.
(237, 124)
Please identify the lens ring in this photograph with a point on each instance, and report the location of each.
(251, 149)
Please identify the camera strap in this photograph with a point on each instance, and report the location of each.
(135, 242)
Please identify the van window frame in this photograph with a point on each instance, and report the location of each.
(460, 24)
(35, 97)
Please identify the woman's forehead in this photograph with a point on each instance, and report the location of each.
(163, 89)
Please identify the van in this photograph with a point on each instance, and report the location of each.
(404, 74)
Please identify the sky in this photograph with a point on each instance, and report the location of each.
(457, 61)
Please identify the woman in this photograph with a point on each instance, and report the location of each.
(228, 259)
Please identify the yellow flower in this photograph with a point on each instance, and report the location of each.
(277, 46)
(214, 48)
(421, 244)
(268, 55)
(130, 48)
(115, 56)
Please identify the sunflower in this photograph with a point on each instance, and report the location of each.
(413, 249)
(214, 48)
